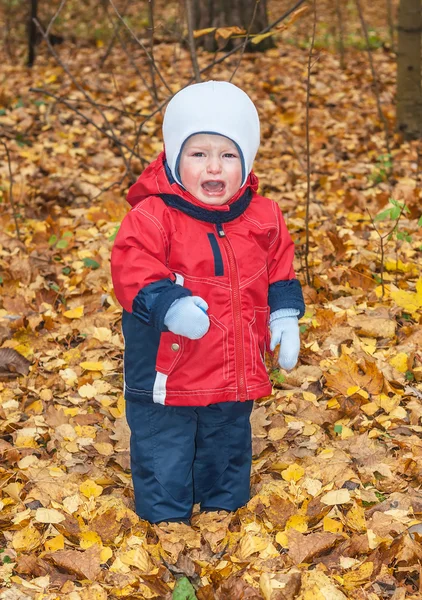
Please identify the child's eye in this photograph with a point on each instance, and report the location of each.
(198, 154)
(230, 155)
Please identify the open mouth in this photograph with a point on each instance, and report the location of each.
(213, 187)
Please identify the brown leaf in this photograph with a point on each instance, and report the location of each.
(347, 374)
(106, 525)
(302, 548)
(279, 511)
(85, 565)
(13, 364)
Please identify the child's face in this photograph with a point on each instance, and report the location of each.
(210, 168)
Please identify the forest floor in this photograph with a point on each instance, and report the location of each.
(336, 506)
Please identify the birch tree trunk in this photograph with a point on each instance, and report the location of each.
(227, 13)
(409, 69)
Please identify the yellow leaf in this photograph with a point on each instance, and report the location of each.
(104, 448)
(355, 518)
(200, 32)
(89, 488)
(293, 472)
(55, 543)
(399, 362)
(92, 366)
(49, 515)
(227, 32)
(297, 522)
(410, 301)
(309, 396)
(88, 539)
(352, 390)
(282, 539)
(256, 39)
(74, 313)
(355, 579)
(298, 13)
(106, 554)
(26, 539)
(332, 525)
(13, 490)
(336, 497)
(138, 557)
(87, 391)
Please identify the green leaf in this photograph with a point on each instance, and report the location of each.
(52, 240)
(91, 263)
(409, 376)
(7, 560)
(420, 221)
(338, 428)
(303, 328)
(63, 243)
(395, 212)
(256, 39)
(1, 280)
(184, 590)
(113, 235)
(386, 214)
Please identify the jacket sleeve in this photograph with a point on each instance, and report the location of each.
(142, 282)
(285, 290)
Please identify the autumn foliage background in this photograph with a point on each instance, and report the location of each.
(336, 508)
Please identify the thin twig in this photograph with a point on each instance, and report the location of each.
(382, 245)
(115, 34)
(58, 11)
(245, 40)
(308, 147)
(87, 119)
(151, 47)
(191, 40)
(374, 76)
(84, 92)
(340, 33)
(150, 58)
(11, 198)
(116, 28)
(239, 46)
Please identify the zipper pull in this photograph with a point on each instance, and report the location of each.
(220, 230)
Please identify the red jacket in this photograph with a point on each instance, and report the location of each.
(238, 257)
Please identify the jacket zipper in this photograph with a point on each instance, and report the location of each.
(235, 294)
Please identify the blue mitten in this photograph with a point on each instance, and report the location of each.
(187, 316)
(284, 329)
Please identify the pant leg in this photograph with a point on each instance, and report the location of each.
(162, 449)
(222, 466)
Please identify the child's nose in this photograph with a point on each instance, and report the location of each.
(214, 165)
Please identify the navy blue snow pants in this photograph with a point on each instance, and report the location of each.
(182, 455)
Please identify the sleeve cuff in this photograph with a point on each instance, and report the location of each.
(286, 295)
(152, 302)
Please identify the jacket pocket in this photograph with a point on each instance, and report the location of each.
(221, 335)
(170, 351)
(258, 336)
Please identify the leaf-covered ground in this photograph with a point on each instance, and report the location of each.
(336, 507)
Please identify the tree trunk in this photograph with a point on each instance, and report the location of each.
(32, 32)
(409, 69)
(228, 13)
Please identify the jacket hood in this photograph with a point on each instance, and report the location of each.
(154, 181)
(216, 107)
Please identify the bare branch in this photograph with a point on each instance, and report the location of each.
(11, 198)
(246, 39)
(115, 35)
(374, 76)
(192, 48)
(151, 46)
(87, 119)
(84, 92)
(150, 58)
(239, 46)
(308, 147)
(58, 11)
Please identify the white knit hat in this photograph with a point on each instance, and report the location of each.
(215, 107)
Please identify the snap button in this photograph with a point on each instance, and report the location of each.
(175, 347)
